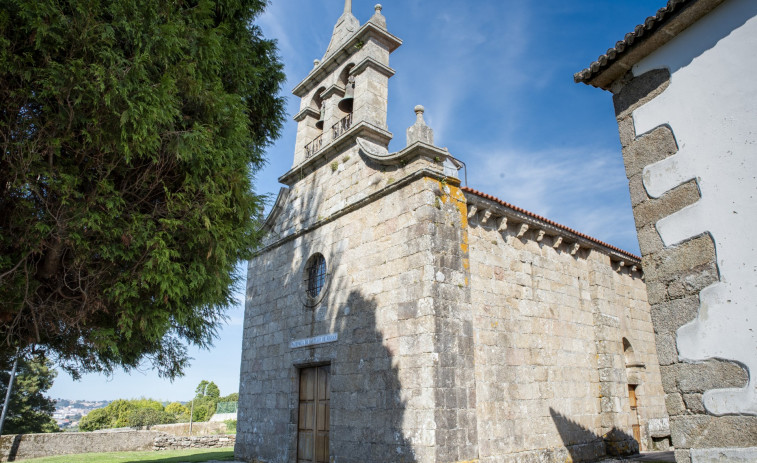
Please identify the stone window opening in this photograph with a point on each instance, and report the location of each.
(315, 272)
(315, 280)
(629, 355)
(346, 104)
(318, 104)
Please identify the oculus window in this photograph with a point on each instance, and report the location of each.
(315, 275)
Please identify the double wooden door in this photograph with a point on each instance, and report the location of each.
(313, 421)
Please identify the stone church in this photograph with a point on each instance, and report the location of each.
(395, 315)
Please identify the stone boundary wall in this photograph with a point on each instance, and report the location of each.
(203, 428)
(16, 447)
(166, 442)
(220, 417)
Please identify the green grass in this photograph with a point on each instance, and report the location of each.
(168, 456)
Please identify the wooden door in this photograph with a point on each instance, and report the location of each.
(634, 414)
(313, 421)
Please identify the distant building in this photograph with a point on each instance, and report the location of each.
(394, 315)
(685, 96)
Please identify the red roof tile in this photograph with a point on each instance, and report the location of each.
(550, 222)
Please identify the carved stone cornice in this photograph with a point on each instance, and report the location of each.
(520, 222)
(361, 129)
(368, 31)
(305, 113)
(372, 63)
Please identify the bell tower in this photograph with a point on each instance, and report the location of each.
(345, 94)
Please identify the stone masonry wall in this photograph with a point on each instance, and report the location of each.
(401, 369)
(24, 446)
(166, 442)
(202, 428)
(550, 372)
(675, 275)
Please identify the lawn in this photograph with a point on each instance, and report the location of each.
(168, 456)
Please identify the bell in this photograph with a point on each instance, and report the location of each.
(345, 104)
(321, 121)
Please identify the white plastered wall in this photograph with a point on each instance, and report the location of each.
(711, 107)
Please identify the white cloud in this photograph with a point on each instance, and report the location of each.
(581, 188)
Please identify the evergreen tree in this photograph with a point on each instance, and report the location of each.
(200, 389)
(129, 133)
(29, 410)
(212, 391)
(206, 398)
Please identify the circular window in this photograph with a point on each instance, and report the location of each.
(314, 280)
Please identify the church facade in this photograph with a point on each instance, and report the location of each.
(394, 315)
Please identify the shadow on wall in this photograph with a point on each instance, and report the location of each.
(367, 408)
(367, 411)
(14, 447)
(582, 442)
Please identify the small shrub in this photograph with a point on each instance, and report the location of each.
(147, 417)
(231, 426)
(334, 166)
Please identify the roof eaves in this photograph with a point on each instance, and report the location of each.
(655, 31)
(552, 223)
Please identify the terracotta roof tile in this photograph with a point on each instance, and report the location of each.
(550, 222)
(639, 33)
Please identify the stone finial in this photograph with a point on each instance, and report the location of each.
(348, 6)
(378, 18)
(420, 131)
(316, 62)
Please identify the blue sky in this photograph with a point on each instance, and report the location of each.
(496, 79)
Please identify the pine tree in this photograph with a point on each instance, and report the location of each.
(129, 134)
(29, 410)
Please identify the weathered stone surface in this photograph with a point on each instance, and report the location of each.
(648, 212)
(676, 261)
(704, 431)
(683, 455)
(716, 455)
(674, 403)
(668, 316)
(647, 149)
(25, 446)
(167, 442)
(640, 90)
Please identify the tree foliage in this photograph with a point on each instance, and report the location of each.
(29, 410)
(122, 413)
(177, 409)
(95, 420)
(207, 397)
(200, 389)
(129, 132)
(147, 417)
(204, 408)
